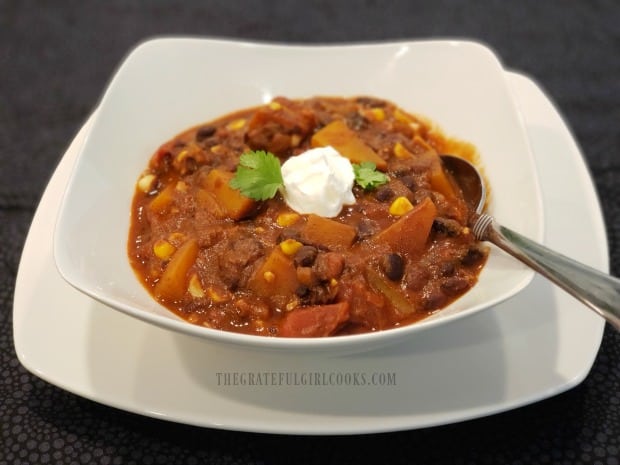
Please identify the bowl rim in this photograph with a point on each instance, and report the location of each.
(355, 341)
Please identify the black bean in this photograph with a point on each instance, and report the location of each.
(366, 228)
(288, 233)
(393, 266)
(447, 269)
(356, 121)
(204, 132)
(454, 286)
(408, 181)
(473, 256)
(433, 300)
(447, 226)
(384, 194)
(302, 290)
(306, 255)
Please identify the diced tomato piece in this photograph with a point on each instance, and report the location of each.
(314, 321)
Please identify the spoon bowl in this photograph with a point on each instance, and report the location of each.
(469, 179)
(597, 290)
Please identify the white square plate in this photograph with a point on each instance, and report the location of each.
(167, 85)
(464, 370)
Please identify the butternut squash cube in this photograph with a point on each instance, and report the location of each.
(206, 200)
(409, 233)
(162, 201)
(347, 143)
(438, 178)
(440, 181)
(174, 281)
(233, 203)
(329, 233)
(276, 276)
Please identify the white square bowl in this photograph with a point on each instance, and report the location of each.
(166, 85)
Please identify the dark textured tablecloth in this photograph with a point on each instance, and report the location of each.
(55, 60)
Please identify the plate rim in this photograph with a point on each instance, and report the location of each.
(20, 328)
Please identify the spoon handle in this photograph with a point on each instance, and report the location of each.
(597, 290)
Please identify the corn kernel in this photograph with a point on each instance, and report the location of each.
(218, 149)
(378, 113)
(400, 206)
(195, 288)
(181, 186)
(269, 276)
(236, 124)
(295, 140)
(292, 305)
(290, 246)
(163, 249)
(182, 155)
(275, 105)
(333, 282)
(465, 230)
(146, 183)
(287, 219)
(401, 152)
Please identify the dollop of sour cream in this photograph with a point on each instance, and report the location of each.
(318, 181)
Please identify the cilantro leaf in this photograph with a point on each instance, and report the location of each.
(367, 176)
(258, 175)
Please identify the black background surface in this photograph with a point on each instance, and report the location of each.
(57, 57)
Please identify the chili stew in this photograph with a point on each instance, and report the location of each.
(220, 259)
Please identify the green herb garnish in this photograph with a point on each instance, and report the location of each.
(258, 175)
(367, 176)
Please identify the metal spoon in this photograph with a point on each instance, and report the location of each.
(597, 290)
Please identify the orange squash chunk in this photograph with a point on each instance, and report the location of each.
(440, 182)
(347, 143)
(276, 276)
(437, 176)
(174, 281)
(163, 200)
(329, 233)
(233, 203)
(409, 233)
